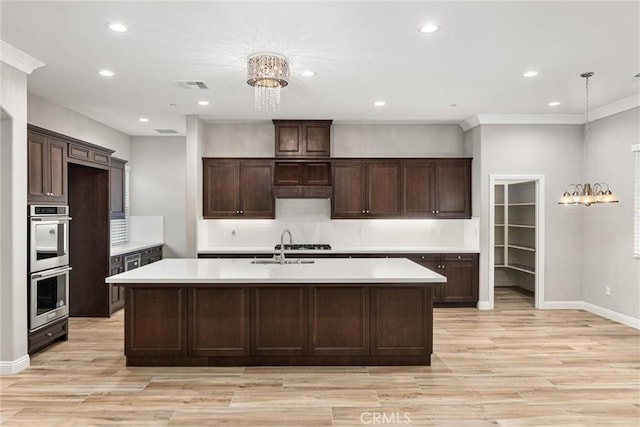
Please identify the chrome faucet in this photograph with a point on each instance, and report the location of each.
(287, 231)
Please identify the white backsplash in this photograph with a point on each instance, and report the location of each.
(310, 222)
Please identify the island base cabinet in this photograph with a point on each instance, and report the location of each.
(219, 321)
(262, 325)
(279, 322)
(402, 321)
(339, 321)
(155, 322)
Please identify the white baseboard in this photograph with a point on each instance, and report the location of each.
(562, 305)
(485, 305)
(611, 315)
(593, 309)
(14, 366)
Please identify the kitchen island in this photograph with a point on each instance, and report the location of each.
(243, 312)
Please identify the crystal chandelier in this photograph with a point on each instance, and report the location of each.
(587, 194)
(267, 73)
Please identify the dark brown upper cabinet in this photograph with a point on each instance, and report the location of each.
(47, 169)
(401, 188)
(417, 189)
(453, 188)
(302, 138)
(237, 188)
(87, 154)
(302, 179)
(117, 183)
(436, 188)
(365, 189)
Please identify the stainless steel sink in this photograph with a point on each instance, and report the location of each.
(286, 261)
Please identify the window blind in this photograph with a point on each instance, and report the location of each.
(636, 210)
(120, 227)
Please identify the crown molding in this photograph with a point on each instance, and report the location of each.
(469, 123)
(18, 59)
(551, 119)
(615, 107)
(521, 119)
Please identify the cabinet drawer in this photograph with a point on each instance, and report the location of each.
(40, 339)
(116, 259)
(458, 257)
(427, 257)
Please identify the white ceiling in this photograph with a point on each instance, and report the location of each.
(361, 51)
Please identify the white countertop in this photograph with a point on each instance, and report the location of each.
(342, 250)
(133, 247)
(332, 270)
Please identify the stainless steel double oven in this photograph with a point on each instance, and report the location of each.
(48, 264)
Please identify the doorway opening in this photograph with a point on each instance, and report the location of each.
(516, 230)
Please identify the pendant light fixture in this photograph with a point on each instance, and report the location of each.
(586, 194)
(267, 73)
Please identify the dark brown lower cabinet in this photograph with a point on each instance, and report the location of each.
(219, 321)
(279, 321)
(461, 271)
(339, 321)
(289, 324)
(156, 322)
(402, 321)
(55, 331)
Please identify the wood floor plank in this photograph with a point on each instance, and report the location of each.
(512, 366)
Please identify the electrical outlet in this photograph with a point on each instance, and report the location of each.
(607, 290)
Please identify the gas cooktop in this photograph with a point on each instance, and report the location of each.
(306, 246)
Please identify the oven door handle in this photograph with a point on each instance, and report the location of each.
(51, 219)
(50, 273)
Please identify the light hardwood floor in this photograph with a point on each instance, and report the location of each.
(513, 366)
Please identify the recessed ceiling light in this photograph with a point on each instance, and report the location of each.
(106, 73)
(118, 27)
(308, 73)
(379, 103)
(453, 105)
(143, 119)
(554, 103)
(429, 28)
(530, 73)
(203, 102)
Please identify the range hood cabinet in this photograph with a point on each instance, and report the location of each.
(302, 179)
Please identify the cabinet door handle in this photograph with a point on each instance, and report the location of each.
(459, 257)
(437, 211)
(433, 212)
(49, 334)
(364, 211)
(241, 212)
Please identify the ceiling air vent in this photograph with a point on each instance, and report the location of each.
(166, 131)
(191, 84)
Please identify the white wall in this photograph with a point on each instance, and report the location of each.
(195, 149)
(608, 229)
(347, 140)
(13, 222)
(158, 186)
(472, 148)
(554, 151)
(396, 140)
(239, 140)
(54, 117)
